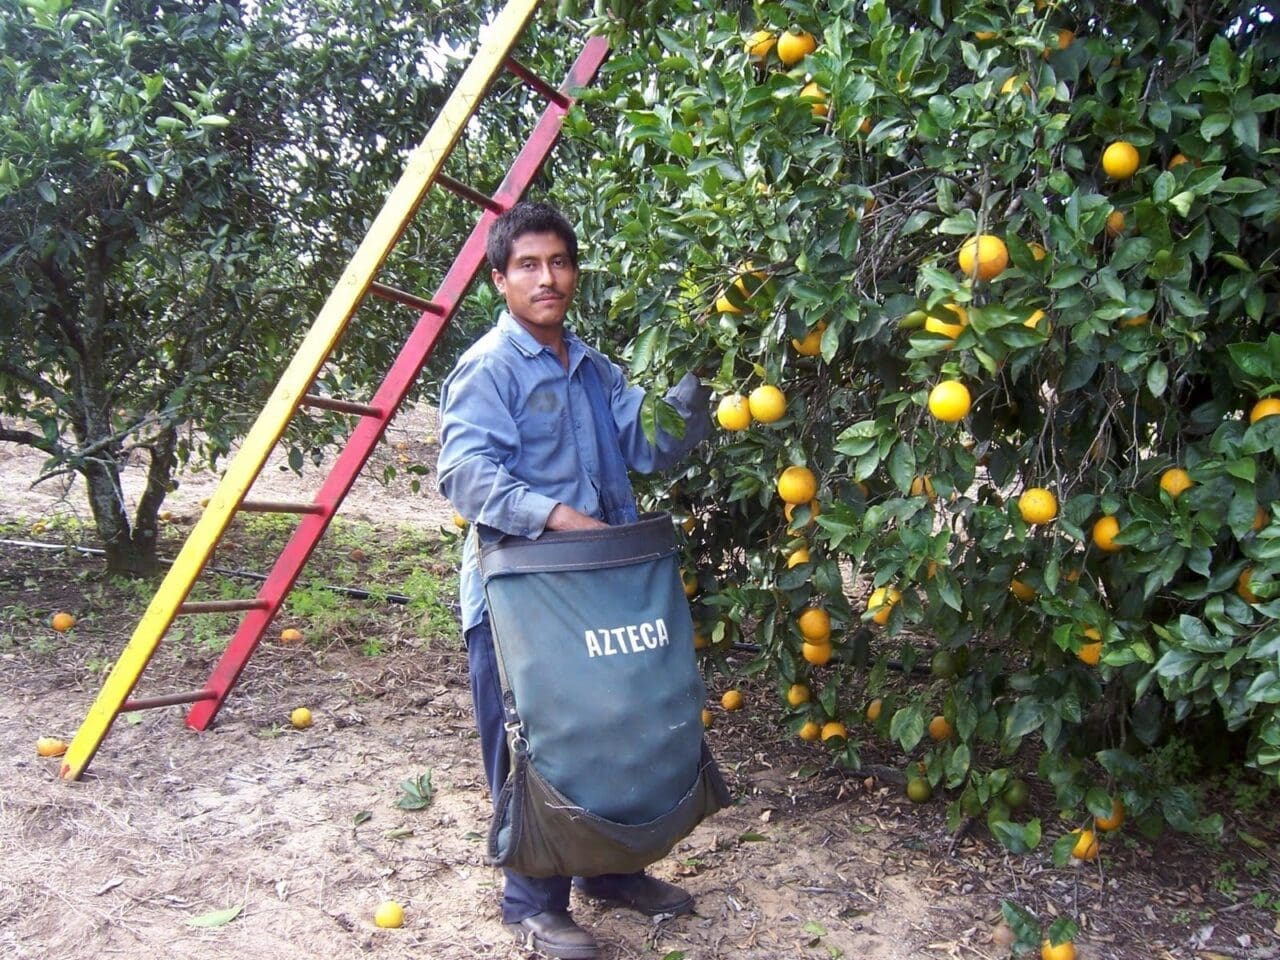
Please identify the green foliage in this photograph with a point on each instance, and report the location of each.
(416, 793)
(712, 170)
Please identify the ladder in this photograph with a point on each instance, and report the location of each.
(423, 169)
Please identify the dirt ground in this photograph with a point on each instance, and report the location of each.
(298, 829)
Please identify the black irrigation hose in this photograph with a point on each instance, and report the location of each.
(354, 592)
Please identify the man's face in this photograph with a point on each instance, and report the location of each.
(539, 283)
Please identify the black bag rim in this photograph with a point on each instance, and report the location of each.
(650, 538)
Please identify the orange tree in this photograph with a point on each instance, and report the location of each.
(1070, 213)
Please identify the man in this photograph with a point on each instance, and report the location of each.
(519, 454)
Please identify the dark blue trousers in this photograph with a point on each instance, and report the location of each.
(523, 895)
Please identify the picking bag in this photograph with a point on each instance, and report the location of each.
(602, 700)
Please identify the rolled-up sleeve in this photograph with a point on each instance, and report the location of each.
(690, 399)
(478, 436)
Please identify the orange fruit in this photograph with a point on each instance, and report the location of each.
(1011, 86)
(291, 635)
(864, 128)
(701, 640)
(815, 510)
(732, 700)
(707, 719)
(814, 624)
(759, 44)
(1023, 591)
(1141, 320)
(300, 717)
(873, 710)
(794, 46)
(459, 521)
(1037, 250)
(798, 556)
(814, 92)
(948, 326)
(918, 790)
(1260, 519)
(767, 403)
(389, 915)
(1037, 505)
(689, 581)
(810, 731)
(1177, 160)
(1115, 223)
(1267, 407)
(797, 485)
(1113, 822)
(949, 401)
(940, 728)
(1063, 40)
(734, 412)
(357, 555)
(1086, 846)
(1243, 585)
(811, 345)
(1175, 481)
(922, 486)
(1091, 653)
(983, 256)
(62, 621)
(797, 694)
(1120, 160)
(833, 729)
(725, 305)
(880, 603)
(50, 747)
(1063, 951)
(1033, 322)
(982, 36)
(1105, 531)
(819, 654)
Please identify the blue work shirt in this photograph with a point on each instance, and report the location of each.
(517, 437)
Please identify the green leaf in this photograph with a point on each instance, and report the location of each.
(416, 794)
(1157, 378)
(218, 918)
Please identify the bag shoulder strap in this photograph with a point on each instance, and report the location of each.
(616, 496)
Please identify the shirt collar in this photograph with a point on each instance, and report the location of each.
(525, 342)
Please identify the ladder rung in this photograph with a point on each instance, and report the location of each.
(223, 606)
(281, 506)
(467, 193)
(404, 297)
(168, 700)
(341, 406)
(535, 82)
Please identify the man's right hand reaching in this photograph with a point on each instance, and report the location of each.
(564, 517)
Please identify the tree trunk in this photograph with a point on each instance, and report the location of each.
(129, 552)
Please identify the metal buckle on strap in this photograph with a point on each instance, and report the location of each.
(516, 737)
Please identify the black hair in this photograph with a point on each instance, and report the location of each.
(524, 218)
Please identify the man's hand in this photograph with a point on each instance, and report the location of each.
(564, 517)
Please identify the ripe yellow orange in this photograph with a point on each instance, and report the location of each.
(1141, 320)
(707, 718)
(1120, 160)
(1023, 591)
(734, 412)
(818, 654)
(1175, 481)
(300, 717)
(1033, 322)
(814, 92)
(767, 403)
(1260, 519)
(982, 36)
(794, 46)
(940, 728)
(864, 128)
(1243, 586)
(1267, 407)
(1037, 250)
(689, 580)
(732, 700)
(983, 256)
(814, 624)
(797, 485)
(797, 694)
(1063, 40)
(459, 521)
(1086, 846)
(1113, 822)
(290, 635)
(1037, 505)
(725, 305)
(811, 345)
(62, 621)
(833, 729)
(1011, 85)
(1091, 652)
(1177, 160)
(922, 485)
(873, 710)
(701, 640)
(949, 401)
(50, 747)
(810, 731)
(1105, 531)
(948, 326)
(389, 915)
(815, 510)
(797, 556)
(918, 790)
(880, 603)
(759, 44)
(1115, 223)
(1063, 951)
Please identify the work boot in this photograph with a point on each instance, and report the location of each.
(554, 934)
(639, 891)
